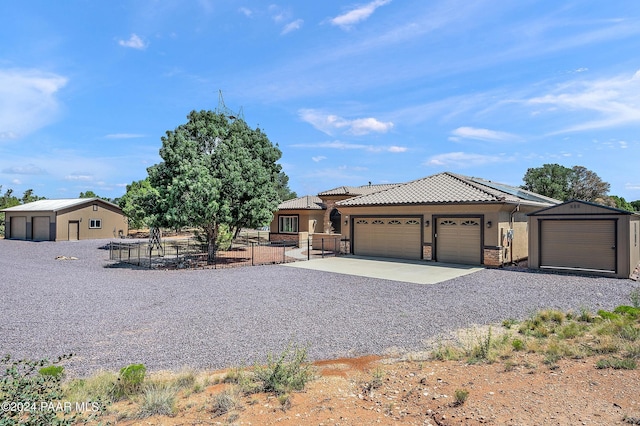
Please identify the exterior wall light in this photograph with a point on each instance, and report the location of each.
(426, 223)
(489, 224)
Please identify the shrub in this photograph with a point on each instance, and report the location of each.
(52, 370)
(25, 390)
(130, 380)
(158, 400)
(461, 396)
(517, 345)
(607, 315)
(289, 371)
(633, 312)
(617, 363)
(224, 402)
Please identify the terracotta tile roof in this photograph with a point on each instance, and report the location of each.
(308, 202)
(358, 190)
(449, 188)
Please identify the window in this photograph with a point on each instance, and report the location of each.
(361, 222)
(395, 222)
(378, 222)
(95, 207)
(95, 223)
(412, 222)
(288, 224)
(470, 223)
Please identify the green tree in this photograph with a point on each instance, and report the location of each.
(620, 203)
(563, 183)
(550, 180)
(635, 205)
(137, 203)
(217, 172)
(28, 197)
(586, 185)
(6, 200)
(284, 192)
(88, 194)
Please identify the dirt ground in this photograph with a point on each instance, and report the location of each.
(370, 390)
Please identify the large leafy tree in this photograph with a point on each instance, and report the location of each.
(282, 184)
(217, 174)
(563, 183)
(138, 202)
(28, 197)
(550, 180)
(635, 205)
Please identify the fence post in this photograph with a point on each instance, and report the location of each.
(308, 248)
(138, 254)
(252, 245)
(284, 250)
(322, 247)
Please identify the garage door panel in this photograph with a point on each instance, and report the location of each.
(41, 228)
(18, 227)
(458, 240)
(578, 244)
(388, 237)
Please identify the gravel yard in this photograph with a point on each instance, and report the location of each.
(110, 316)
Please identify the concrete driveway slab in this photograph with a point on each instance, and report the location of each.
(410, 271)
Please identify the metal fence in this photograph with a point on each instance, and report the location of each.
(245, 251)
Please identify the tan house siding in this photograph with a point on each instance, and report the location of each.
(112, 222)
(34, 222)
(309, 221)
(494, 251)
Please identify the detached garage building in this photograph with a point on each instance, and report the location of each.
(65, 219)
(585, 237)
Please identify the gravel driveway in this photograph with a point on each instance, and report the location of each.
(109, 317)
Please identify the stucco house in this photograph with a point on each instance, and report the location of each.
(444, 217)
(65, 219)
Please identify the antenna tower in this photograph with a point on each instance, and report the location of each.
(226, 111)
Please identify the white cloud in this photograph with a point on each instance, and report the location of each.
(352, 146)
(134, 42)
(614, 101)
(327, 123)
(29, 169)
(292, 26)
(16, 181)
(79, 177)
(483, 134)
(27, 101)
(246, 11)
(632, 186)
(124, 136)
(318, 158)
(463, 159)
(352, 17)
(394, 148)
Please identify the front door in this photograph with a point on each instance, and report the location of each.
(74, 230)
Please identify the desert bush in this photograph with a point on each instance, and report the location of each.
(52, 370)
(31, 398)
(225, 401)
(517, 345)
(461, 396)
(158, 399)
(634, 297)
(129, 381)
(617, 363)
(289, 371)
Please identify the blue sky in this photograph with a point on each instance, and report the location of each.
(376, 91)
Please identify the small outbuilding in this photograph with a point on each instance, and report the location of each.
(584, 237)
(65, 219)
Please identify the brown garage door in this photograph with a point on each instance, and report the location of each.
(578, 244)
(18, 228)
(40, 228)
(397, 237)
(458, 240)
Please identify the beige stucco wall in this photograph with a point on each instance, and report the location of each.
(113, 222)
(502, 217)
(634, 242)
(308, 220)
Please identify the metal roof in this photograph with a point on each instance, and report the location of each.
(308, 202)
(55, 205)
(449, 188)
